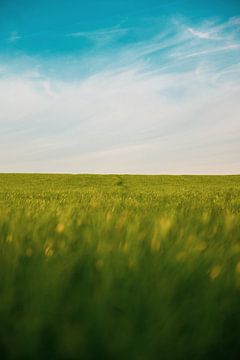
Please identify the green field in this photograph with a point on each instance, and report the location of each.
(119, 267)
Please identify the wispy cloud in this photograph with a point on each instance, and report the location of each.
(14, 36)
(101, 36)
(162, 105)
(208, 51)
(97, 33)
(199, 34)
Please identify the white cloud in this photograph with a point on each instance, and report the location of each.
(100, 37)
(199, 34)
(123, 122)
(114, 31)
(210, 51)
(132, 117)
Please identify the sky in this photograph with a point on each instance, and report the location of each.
(124, 86)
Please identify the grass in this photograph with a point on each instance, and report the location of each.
(119, 267)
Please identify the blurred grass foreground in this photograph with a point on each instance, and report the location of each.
(119, 267)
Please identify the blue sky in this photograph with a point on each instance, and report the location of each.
(109, 86)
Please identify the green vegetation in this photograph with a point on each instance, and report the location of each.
(119, 267)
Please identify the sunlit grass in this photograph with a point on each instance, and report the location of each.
(119, 267)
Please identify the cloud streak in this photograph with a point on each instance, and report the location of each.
(199, 34)
(100, 37)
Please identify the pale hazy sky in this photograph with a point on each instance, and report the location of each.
(120, 86)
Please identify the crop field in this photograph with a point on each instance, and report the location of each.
(119, 267)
